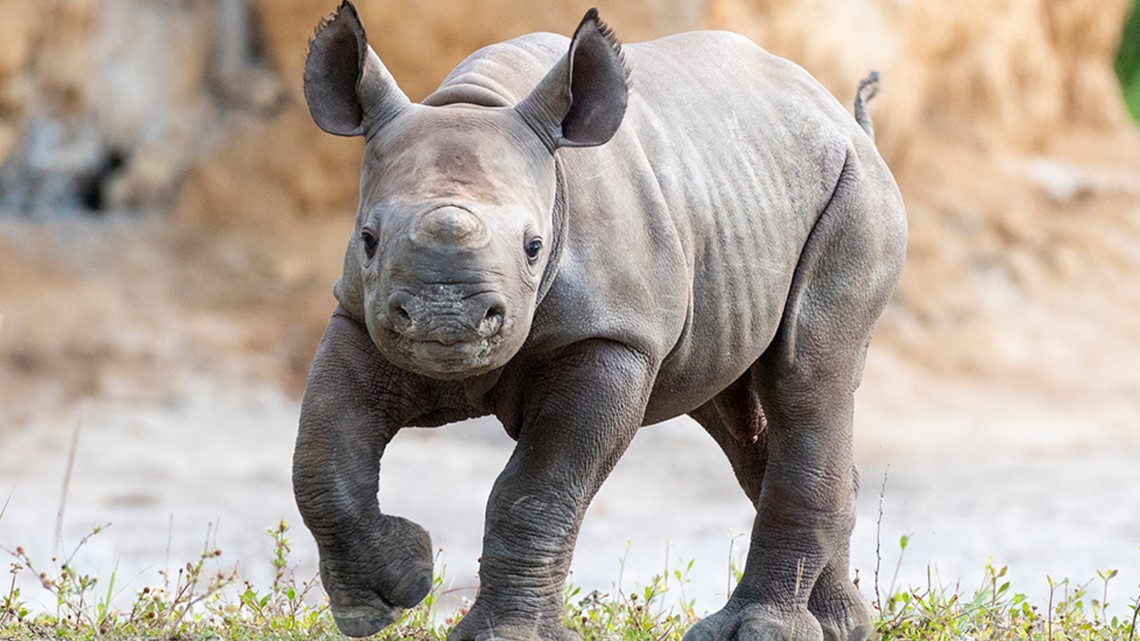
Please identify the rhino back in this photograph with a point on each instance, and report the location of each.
(687, 227)
(742, 151)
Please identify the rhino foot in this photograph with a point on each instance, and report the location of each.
(848, 628)
(388, 572)
(757, 622)
(841, 610)
(480, 624)
(365, 619)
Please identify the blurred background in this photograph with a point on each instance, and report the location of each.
(171, 223)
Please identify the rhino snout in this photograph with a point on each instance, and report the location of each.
(449, 322)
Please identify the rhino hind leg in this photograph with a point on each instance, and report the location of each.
(735, 419)
(794, 583)
(836, 603)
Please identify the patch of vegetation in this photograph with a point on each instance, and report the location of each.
(203, 600)
(1128, 61)
(996, 611)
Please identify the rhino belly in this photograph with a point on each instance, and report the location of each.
(724, 336)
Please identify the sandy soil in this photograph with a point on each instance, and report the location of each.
(1025, 481)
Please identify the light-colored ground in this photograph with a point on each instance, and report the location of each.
(1046, 487)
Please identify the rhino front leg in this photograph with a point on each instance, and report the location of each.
(372, 564)
(577, 418)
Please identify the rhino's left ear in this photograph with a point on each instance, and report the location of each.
(348, 89)
(581, 101)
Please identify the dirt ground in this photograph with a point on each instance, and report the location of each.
(1002, 393)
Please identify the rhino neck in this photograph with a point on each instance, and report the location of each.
(559, 223)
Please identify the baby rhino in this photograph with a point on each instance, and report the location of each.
(581, 239)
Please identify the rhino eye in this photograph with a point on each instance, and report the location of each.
(533, 247)
(369, 240)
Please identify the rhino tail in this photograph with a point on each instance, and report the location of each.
(868, 87)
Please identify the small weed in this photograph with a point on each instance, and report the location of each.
(995, 611)
(642, 614)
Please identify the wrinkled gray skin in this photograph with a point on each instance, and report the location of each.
(581, 250)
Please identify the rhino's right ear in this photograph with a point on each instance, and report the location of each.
(348, 89)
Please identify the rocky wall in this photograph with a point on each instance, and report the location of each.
(104, 104)
(286, 166)
(1006, 74)
(144, 104)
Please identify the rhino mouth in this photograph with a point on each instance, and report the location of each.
(445, 359)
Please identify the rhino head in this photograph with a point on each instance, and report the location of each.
(455, 235)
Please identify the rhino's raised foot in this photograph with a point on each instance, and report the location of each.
(757, 623)
(362, 612)
(389, 572)
(364, 620)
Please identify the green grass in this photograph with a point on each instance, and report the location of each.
(204, 600)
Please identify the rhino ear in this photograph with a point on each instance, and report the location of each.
(348, 89)
(581, 101)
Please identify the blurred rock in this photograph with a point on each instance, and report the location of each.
(7, 138)
(137, 89)
(159, 80)
(1060, 180)
(1086, 35)
(16, 31)
(1009, 74)
(266, 172)
(253, 89)
(153, 175)
(53, 165)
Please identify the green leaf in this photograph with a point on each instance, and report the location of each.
(1127, 61)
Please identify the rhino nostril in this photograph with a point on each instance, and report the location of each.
(398, 314)
(492, 320)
